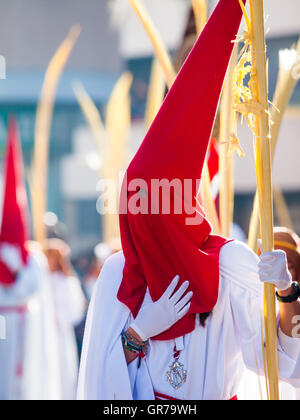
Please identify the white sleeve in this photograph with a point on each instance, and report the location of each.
(238, 265)
(27, 283)
(104, 373)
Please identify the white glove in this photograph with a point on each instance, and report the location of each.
(273, 269)
(157, 317)
(11, 256)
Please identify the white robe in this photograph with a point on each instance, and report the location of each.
(214, 357)
(28, 354)
(69, 304)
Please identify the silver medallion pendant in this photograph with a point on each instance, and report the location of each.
(176, 376)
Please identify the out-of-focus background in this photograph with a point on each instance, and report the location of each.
(112, 41)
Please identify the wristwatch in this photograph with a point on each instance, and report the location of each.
(291, 298)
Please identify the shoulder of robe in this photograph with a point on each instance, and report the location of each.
(32, 268)
(111, 274)
(239, 265)
(29, 281)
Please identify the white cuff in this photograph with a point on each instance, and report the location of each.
(290, 345)
(138, 331)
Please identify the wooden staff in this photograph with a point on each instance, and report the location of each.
(264, 184)
(91, 113)
(156, 92)
(285, 86)
(158, 45)
(201, 14)
(254, 227)
(282, 209)
(118, 120)
(227, 130)
(110, 138)
(42, 132)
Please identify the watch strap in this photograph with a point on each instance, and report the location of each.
(291, 298)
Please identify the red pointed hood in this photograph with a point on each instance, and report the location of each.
(15, 211)
(157, 246)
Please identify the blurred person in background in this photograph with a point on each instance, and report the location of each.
(26, 369)
(101, 252)
(69, 307)
(28, 355)
(288, 241)
(49, 355)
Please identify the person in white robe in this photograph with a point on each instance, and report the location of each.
(27, 349)
(27, 354)
(214, 356)
(69, 306)
(289, 241)
(144, 338)
(49, 355)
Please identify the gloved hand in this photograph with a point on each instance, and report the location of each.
(157, 317)
(11, 256)
(273, 269)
